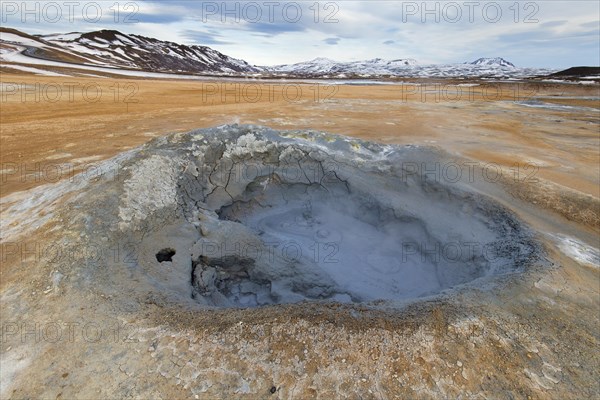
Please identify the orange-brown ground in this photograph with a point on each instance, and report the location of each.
(535, 338)
(51, 136)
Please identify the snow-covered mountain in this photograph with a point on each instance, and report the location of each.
(109, 48)
(324, 66)
(113, 52)
(483, 68)
(493, 62)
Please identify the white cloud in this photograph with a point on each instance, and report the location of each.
(365, 29)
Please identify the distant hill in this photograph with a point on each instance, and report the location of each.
(578, 72)
(110, 48)
(111, 51)
(325, 66)
(493, 62)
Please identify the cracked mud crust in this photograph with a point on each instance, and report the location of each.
(145, 308)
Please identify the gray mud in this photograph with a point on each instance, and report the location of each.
(244, 216)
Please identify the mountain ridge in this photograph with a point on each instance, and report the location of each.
(324, 66)
(111, 48)
(492, 61)
(131, 52)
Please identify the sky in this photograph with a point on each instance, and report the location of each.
(547, 33)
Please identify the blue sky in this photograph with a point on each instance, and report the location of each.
(544, 33)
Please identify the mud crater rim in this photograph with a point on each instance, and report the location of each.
(331, 241)
(326, 219)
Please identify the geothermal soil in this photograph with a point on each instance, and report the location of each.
(71, 328)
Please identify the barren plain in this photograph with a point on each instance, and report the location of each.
(533, 335)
